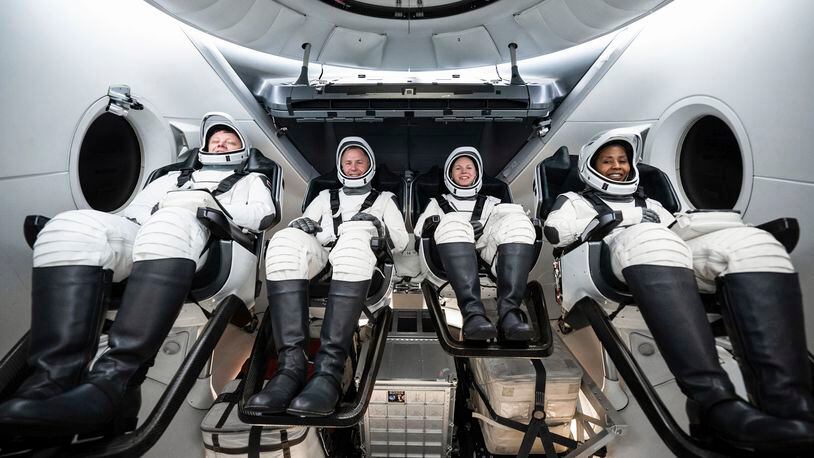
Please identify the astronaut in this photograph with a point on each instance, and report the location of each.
(473, 225)
(665, 269)
(157, 244)
(337, 227)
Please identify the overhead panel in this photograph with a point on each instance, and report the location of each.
(258, 22)
(465, 48)
(220, 15)
(353, 48)
(281, 29)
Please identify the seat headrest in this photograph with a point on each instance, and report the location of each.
(384, 180)
(559, 174)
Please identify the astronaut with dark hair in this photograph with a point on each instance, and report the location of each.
(473, 225)
(157, 244)
(665, 270)
(336, 228)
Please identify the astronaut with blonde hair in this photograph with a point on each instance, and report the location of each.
(473, 225)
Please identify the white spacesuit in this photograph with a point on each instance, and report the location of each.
(666, 268)
(156, 243)
(471, 225)
(337, 227)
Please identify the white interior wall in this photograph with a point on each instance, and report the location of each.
(752, 64)
(58, 62)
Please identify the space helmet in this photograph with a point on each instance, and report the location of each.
(210, 124)
(454, 188)
(365, 178)
(630, 138)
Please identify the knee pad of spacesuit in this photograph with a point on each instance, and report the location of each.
(352, 258)
(648, 243)
(87, 237)
(287, 256)
(511, 226)
(735, 250)
(454, 227)
(171, 232)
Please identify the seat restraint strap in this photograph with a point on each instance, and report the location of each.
(184, 176)
(337, 214)
(227, 183)
(477, 212)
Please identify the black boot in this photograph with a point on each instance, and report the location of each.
(108, 400)
(763, 312)
(320, 396)
(288, 309)
(514, 261)
(670, 305)
(461, 265)
(67, 309)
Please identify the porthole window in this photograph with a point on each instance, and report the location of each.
(711, 165)
(109, 162)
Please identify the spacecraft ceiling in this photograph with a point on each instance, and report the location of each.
(452, 34)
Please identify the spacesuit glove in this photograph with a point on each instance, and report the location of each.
(306, 225)
(191, 199)
(650, 216)
(477, 228)
(362, 216)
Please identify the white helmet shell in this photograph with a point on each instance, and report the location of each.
(365, 178)
(210, 124)
(454, 188)
(631, 137)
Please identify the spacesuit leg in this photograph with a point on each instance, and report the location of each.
(292, 258)
(165, 252)
(455, 242)
(75, 257)
(353, 261)
(656, 265)
(508, 236)
(763, 313)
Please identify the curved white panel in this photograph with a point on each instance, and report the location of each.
(546, 26)
(466, 48)
(353, 48)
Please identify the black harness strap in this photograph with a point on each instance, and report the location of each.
(445, 205)
(601, 207)
(227, 183)
(337, 214)
(255, 434)
(186, 175)
(477, 210)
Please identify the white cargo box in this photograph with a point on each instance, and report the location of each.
(224, 435)
(509, 386)
(411, 409)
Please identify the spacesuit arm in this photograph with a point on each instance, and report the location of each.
(665, 216)
(394, 221)
(432, 209)
(257, 211)
(142, 206)
(565, 223)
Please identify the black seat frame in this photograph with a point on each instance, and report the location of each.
(558, 174)
(14, 368)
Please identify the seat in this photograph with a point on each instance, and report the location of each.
(374, 327)
(431, 185)
(589, 293)
(224, 289)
